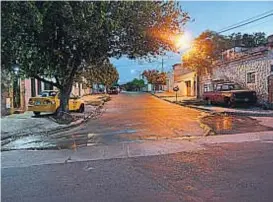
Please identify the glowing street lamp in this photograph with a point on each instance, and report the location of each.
(183, 41)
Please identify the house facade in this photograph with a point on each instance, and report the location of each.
(251, 68)
(15, 92)
(185, 79)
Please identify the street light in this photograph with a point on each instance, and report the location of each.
(15, 68)
(183, 41)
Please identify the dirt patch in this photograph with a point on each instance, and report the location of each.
(229, 124)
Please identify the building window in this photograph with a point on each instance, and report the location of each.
(48, 86)
(251, 77)
(271, 68)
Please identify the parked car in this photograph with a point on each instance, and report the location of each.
(49, 101)
(113, 90)
(230, 94)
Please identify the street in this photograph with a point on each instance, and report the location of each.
(222, 172)
(140, 116)
(134, 157)
(128, 117)
(130, 101)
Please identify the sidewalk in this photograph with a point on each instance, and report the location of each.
(222, 117)
(199, 104)
(26, 124)
(24, 158)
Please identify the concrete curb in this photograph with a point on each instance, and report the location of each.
(21, 158)
(62, 128)
(10, 137)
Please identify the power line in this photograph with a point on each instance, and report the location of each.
(255, 25)
(245, 23)
(246, 20)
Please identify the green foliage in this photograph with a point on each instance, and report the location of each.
(62, 39)
(135, 85)
(247, 40)
(105, 74)
(155, 77)
(209, 45)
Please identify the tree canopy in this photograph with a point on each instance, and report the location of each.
(208, 47)
(155, 77)
(60, 40)
(134, 85)
(106, 74)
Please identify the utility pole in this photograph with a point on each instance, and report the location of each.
(162, 68)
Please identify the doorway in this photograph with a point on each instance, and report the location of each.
(188, 88)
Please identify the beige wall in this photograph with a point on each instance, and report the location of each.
(181, 83)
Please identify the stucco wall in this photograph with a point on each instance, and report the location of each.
(181, 83)
(237, 72)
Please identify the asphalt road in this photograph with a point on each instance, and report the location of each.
(222, 172)
(140, 116)
(128, 117)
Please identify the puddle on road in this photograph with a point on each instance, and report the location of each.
(28, 142)
(227, 124)
(65, 141)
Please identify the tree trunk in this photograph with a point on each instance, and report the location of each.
(63, 110)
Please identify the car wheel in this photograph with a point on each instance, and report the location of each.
(57, 110)
(37, 113)
(81, 109)
(208, 101)
(229, 103)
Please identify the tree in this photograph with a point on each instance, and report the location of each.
(62, 39)
(208, 47)
(155, 77)
(134, 85)
(106, 74)
(247, 40)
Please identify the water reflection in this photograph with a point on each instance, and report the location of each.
(227, 124)
(224, 123)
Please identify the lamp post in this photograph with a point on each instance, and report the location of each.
(16, 86)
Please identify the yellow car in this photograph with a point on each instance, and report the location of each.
(49, 101)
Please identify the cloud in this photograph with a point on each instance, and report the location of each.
(133, 71)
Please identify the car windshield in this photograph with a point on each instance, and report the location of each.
(226, 87)
(48, 94)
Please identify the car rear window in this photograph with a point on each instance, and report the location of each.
(48, 94)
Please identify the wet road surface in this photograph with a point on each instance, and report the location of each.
(222, 172)
(128, 117)
(138, 117)
(231, 124)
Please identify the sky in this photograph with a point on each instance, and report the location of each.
(207, 15)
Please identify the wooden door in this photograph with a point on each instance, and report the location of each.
(188, 86)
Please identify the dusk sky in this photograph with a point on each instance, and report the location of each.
(207, 15)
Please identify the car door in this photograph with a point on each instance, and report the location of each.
(73, 103)
(216, 94)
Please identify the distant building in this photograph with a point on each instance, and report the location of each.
(185, 79)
